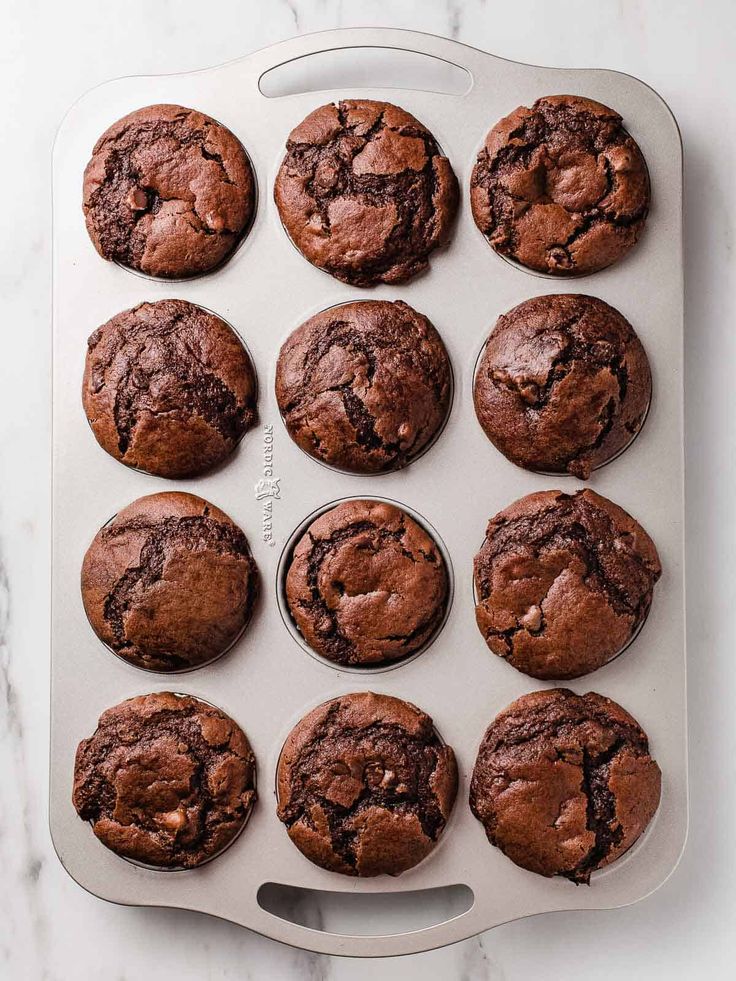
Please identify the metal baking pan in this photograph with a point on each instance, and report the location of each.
(268, 681)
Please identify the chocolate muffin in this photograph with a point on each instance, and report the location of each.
(168, 191)
(564, 783)
(166, 780)
(168, 388)
(366, 584)
(562, 187)
(563, 384)
(169, 583)
(364, 386)
(365, 786)
(563, 582)
(365, 193)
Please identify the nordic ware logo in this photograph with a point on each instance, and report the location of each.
(267, 487)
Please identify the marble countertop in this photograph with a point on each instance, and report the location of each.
(51, 53)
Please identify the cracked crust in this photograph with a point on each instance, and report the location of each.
(365, 786)
(168, 388)
(364, 386)
(563, 582)
(169, 583)
(366, 584)
(561, 187)
(166, 780)
(168, 191)
(365, 193)
(563, 385)
(564, 783)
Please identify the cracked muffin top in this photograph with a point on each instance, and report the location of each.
(563, 582)
(563, 384)
(168, 191)
(365, 193)
(165, 779)
(366, 584)
(562, 187)
(169, 583)
(364, 386)
(168, 388)
(365, 786)
(564, 783)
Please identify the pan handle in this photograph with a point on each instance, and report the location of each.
(457, 927)
(454, 53)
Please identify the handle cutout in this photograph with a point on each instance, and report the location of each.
(365, 67)
(365, 914)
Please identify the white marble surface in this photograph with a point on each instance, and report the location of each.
(49, 54)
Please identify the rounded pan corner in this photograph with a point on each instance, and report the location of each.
(670, 871)
(678, 849)
(649, 92)
(637, 84)
(110, 83)
(104, 897)
(77, 105)
(66, 866)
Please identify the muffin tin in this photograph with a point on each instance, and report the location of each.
(267, 682)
